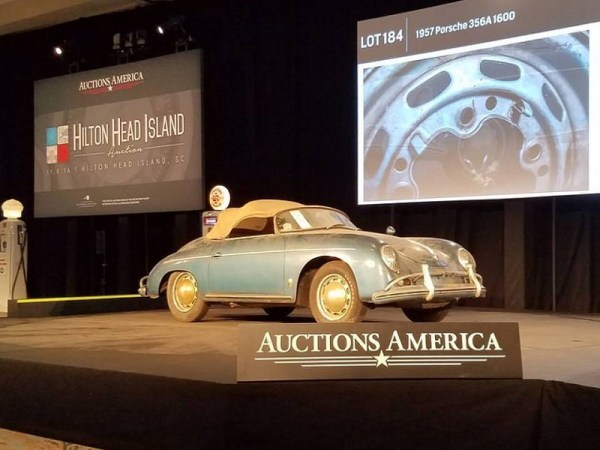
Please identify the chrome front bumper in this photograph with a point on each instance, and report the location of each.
(422, 287)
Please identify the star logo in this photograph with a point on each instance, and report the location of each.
(381, 359)
(110, 88)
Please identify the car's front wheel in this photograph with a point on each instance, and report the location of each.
(435, 312)
(334, 295)
(183, 297)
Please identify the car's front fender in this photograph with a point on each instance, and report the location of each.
(361, 254)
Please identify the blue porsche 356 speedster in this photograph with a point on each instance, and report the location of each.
(279, 255)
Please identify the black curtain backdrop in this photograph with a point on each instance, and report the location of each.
(279, 108)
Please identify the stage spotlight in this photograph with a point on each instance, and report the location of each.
(116, 41)
(175, 30)
(174, 23)
(58, 50)
(140, 38)
(128, 41)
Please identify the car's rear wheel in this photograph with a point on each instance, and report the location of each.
(279, 312)
(435, 312)
(334, 295)
(183, 297)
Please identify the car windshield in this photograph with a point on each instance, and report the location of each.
(312, 219)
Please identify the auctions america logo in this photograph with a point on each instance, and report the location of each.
(375, 350)
(111, 83)
(322, 351)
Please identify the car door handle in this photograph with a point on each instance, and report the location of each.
(217, 255)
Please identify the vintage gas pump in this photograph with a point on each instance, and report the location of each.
(209, 220)
(13, 255)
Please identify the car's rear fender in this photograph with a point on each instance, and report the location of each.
(157, 281)
(159, 275)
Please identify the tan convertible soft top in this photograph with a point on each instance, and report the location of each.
(230, 217)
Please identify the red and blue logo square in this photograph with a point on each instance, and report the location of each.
(57, 144)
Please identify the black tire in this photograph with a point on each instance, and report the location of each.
(183, 297)
(279, 312)
(428, 312)
(334, 295)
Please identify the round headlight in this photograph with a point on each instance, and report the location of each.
(465, 258)
(390, 258)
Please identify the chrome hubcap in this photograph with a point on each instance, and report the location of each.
(334, 296)
(185, 292)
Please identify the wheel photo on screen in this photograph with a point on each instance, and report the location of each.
(506, 120)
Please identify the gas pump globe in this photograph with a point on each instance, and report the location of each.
(13, 255)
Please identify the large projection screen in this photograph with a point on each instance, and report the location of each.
(479, 99)
(120, 140)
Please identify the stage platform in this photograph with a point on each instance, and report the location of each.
(142, 380)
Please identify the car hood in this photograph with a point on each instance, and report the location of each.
(432, 251)
(421, 250)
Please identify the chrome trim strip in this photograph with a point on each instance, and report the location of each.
(187, 258)
(223, 255)
(265, 252)
(265, 298)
